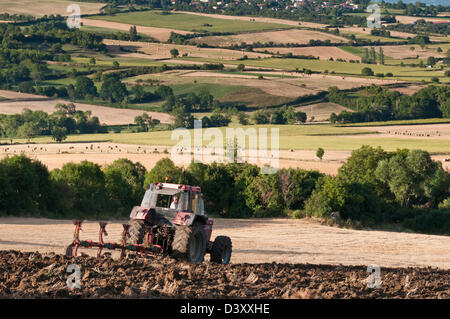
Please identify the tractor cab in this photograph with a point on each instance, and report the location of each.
(174, 197)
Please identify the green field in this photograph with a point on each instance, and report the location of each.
(189, 22)
(344, 68)
(299, 137)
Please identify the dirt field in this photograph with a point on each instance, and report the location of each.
(291, 241)
(160, 34)
(46, 277)
(408, 90)
(285, 36)
(16, 102)
(321, 111)
(43, 7)
(409, 19)
(397, 34)
(324, 53)
(404, 52)
(162, 51)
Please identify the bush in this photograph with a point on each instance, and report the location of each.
(367, 71)
(124, 182)
(353, 201)
(162, 169)
(86, 181)
(436, 222)
(25, 186)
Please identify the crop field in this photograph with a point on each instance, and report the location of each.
(160, 34)
(259, 19)
(162, 51)
(299, 36)
(46, 7)
(344, 68)
(302, 137)
(324, 53)
(186, 22)
(17, 102)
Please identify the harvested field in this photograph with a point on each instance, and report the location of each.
(162, 51)
(324, 53)
(56, 155)
(17, 102)
(103, 153)
(410, 19)
(46, 277)
(159, 34)
(405, 52)
(408, 90)
(285, 36)
(322, 111)
(46, 7)
(396, 34)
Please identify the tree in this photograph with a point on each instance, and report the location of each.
(92, 61)
(367, 71)
(431, 61)
(174, 53)
(59, 134)
(414, 178)
(133, 33)
(113, 90)
(300, 116)
(86, 182)
(320, 152)
(124, 183)
(243, 118)
(116, 64)
(28, 130)
(241, 67)
(162, 169)
(381, 55)
(84, 86)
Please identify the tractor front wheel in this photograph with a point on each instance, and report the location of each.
(221, 250)
(189, 243)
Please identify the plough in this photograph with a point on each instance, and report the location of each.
(171, 220)
(146, 249)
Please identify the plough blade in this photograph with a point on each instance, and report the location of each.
(145, 250)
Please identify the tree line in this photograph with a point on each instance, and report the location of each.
(384, 105)
(373, 188)
(65, 120)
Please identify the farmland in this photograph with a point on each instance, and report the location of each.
(186, 22)
(358, 132)
(46, 7)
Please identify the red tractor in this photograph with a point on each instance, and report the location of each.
(171, 220)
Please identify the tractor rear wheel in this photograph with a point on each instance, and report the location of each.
(221, 250)
(189, 243)
(136, 231)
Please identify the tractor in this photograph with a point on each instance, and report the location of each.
(171, 220)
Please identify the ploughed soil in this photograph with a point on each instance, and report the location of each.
(35, 275)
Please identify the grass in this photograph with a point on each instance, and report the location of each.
(300, 137)
(189, 22)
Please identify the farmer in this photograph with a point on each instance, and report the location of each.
(174, 204)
